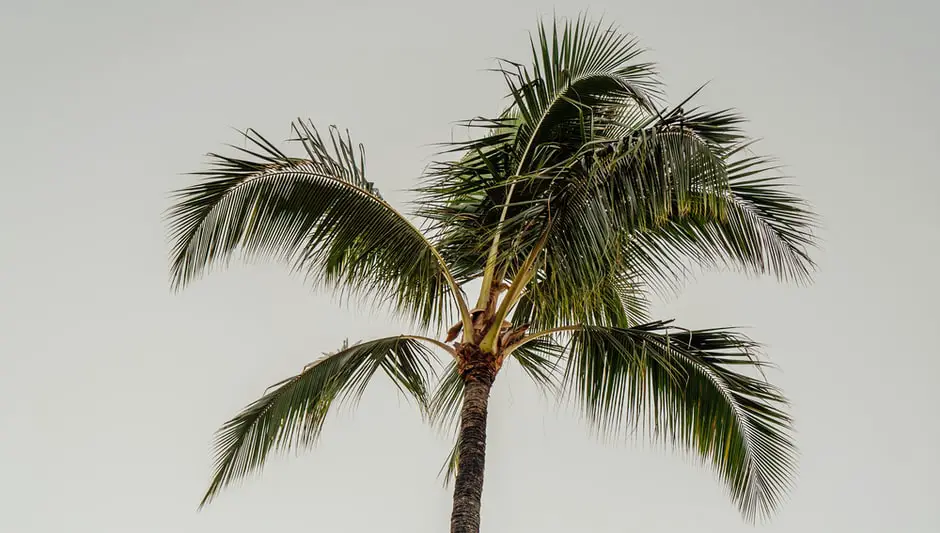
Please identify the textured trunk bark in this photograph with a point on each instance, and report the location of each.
(478, 374)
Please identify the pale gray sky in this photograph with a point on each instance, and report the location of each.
(111, 387)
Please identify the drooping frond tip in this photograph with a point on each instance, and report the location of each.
(679, 386)
(291, 413)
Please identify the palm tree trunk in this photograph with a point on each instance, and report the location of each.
(478, 375)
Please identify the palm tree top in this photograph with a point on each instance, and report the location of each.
(574, 206)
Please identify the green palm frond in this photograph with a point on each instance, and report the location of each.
(674, 192)
(682, 387)
(617, 300)
(765, 229)
(318, 213)
(635, 185)
(583, 73)
(583, 76)
(291, 413)
(541, 359)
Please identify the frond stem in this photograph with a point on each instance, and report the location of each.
(490, 269)
(544, 333)
(447, 348)
(522, 278)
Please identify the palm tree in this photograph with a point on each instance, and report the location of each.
(584, 198)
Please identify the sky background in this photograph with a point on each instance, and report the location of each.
(111, 387)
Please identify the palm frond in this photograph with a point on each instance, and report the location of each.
(291, 413)
(765, 229)
(582, 74)
(672, 193)
(616, 300)
(614, 191)
(541, 360)
(320, 214)
(680, 386)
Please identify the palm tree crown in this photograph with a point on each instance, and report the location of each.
(574, 206)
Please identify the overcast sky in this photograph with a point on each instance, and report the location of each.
(111, 387)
